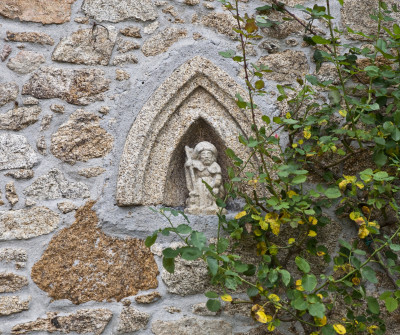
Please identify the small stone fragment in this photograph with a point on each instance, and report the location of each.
(81, 138)
(172, 11)
(91, 172)
(192, 2)
(57, 108)
(11, 193)
(161, 42)
(197, 36)
(132, 320)
(209, 5)
(120, 10)
(27, 223)
(5, 52)
(151, 28)
(87, 46)
(105, 109)
(148, 298)
(292, 42)
(11, 255)
(54, 185)
(8, 92)
(19, 118)
(10, 282)
(46, 120)
(20, 174)
(31, 37)
(161, 3)
(37, 10)
(111, 268)
(13, 304)
(1, 199)
(25, 62)
(271, 47)
(131, 31)
(188, 326)
(30, 101)
(16, 153)
(201, 309)
(121, 75)
(76, 86)
(223, 23)
(82, 20)
(125, 46)
(286, 66)
(41, 145)
(123, 59)
(172, 309)
(66, 207)
(82, 322)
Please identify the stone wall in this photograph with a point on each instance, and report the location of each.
(97, 100)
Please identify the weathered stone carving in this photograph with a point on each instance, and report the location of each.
(196, 103)
(201, 167)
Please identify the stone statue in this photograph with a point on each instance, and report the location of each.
(201, 164)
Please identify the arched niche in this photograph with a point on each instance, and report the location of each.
(197, 102)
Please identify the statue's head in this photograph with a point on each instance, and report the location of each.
(206, 152)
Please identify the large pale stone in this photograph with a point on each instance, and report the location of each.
(285, 28)
(286, 66)
(125, 45)
(132, 320)
(120, 10)
(190, 326)
(189, 277)
(81, 138)
(19, 118)
(91, 172)
(148, 298)
(10, 282)
(43, 11)
(13, 304)
(123, 59)
(11, 193)
(131, 31)
(25, 62)
(87, 46)
(161, 42)
(196, 103)
(82, 322)
(54, 185)
(8, 92)
(27, 223)
(224, 23)
(11, 255)
(20, 174)
(31, 37)
(16, 153)
(356, 15)
(78, 86)
(82, 263)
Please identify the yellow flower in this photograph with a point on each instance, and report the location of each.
(261, 248)
(339, 328)
(298, 285)
(371, 329)
(301, 141)
(363, 232)
(320, 322)
(258, 232)
(240, 215)
(356, 281)
(294, 145)
(291, 240)
(360, 185)
(320, 253)
(306, 134)
(253, 182)
(320, 296)
(291, 193)
(275, 227)
(312, 233)
(300, 222)
(273, 249)
(260, 315)
(273, 297)
(312, 220)
(343, 112)
(343, 184)
(271, 327)
(288, 115)
(226, 297)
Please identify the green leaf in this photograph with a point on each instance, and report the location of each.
(320, 40)
(285, 277)
(190, 254)
(299, 179)
(328, 329)
(220, 203)
(198, 239)
(309, 282)
(211, 295)
(396, 135)
(395, 247)
(222, 245)
(369, 274)
(302, 264)
(380, 140)
(212, 265)
(170, 253)
(345, 244)
(252, 291)
(391, 304)
(169, 264)
(150, 240)
(380, 158)
(317, 310)
(213, 305)
(373, 305)
(300, 304)
(183, 229)
(259, 84)
(333, 193)
(227, 54)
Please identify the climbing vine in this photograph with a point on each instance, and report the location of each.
(340, 163)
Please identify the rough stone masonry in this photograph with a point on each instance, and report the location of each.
(97, 100)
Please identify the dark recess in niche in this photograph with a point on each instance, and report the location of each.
(176, 192)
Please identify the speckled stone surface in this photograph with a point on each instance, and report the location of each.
(15, 152)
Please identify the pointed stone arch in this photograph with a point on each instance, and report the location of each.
(197, 102)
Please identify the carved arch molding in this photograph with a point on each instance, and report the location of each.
(196, 103)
